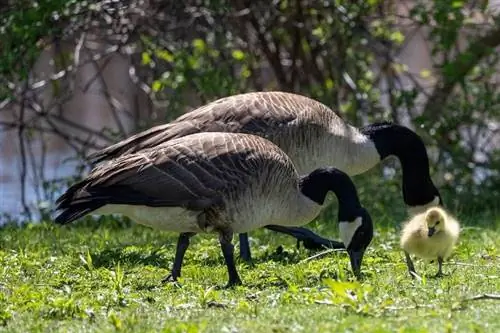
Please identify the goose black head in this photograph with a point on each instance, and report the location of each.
(355, 223)
(419, 192)
(356, 234)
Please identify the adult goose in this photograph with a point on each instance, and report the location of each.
(216, 182)
(311, 134)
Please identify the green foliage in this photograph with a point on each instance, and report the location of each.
(104, 276)
(463, 129)
(199, 66)
(335, 51)
(222, 61)
(24, 26)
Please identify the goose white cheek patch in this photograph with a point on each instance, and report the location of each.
(348, 229)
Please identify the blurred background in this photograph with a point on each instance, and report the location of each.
(79, 75)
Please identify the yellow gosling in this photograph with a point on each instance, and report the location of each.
(429, 235)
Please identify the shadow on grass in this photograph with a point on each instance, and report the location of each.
(108, 258)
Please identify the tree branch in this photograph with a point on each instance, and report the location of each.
(22, 148)
(273, 57)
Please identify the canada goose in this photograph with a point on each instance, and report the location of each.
(216, 182)
(429, 235)
(310, 133)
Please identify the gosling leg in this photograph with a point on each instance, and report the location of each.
(245, 253)
(440, 268)
(182, 245)
(225, 238)
(409, 264)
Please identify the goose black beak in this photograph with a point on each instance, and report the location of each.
(356, 260)
(431, 231)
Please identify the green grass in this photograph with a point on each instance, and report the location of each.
(104, 277)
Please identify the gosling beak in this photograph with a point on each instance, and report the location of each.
(356, 260)
(431, 231)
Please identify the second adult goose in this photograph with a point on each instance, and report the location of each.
(310, 133)
(215, 182)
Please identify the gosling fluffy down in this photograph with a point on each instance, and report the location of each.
(430, 235)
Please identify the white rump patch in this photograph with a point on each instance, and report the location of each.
(348, 229)
(174, 219)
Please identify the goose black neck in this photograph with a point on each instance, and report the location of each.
(408, 147)
(318, 183)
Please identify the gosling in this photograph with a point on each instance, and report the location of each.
(429, 235)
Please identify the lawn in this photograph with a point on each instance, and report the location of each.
(105, 277)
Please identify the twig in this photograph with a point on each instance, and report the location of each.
(78, 49)
(99, 69)
(20, 135)
(113, 103)
(483, 296)
(33, 165)
(321, 254)
(77, 126)
(470, 265)
(417, 306)
(272, 57)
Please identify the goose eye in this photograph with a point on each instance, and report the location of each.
(438, 222)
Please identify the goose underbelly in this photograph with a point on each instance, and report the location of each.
(165, 218)
(276, 209)
(252, 216)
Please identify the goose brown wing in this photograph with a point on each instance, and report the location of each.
(194, 172)
(260, 113)
(252, 113)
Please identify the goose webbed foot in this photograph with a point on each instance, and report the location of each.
(438, 275)
(170, 278)
(245, 253)
(309, 239)
(227, 248)
(182, 245)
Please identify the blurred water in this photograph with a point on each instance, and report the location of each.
(10, 182)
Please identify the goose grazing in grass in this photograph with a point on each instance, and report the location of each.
(311, 134)
(430, 235)
(216, 182)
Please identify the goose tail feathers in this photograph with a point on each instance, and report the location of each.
(76, 202)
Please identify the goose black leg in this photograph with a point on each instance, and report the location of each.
(182, 245)
(225, 238)
(440, 268)
(245, 253)
(409, 264)
(310, 240)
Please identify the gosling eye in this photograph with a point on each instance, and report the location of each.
(438, 222)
